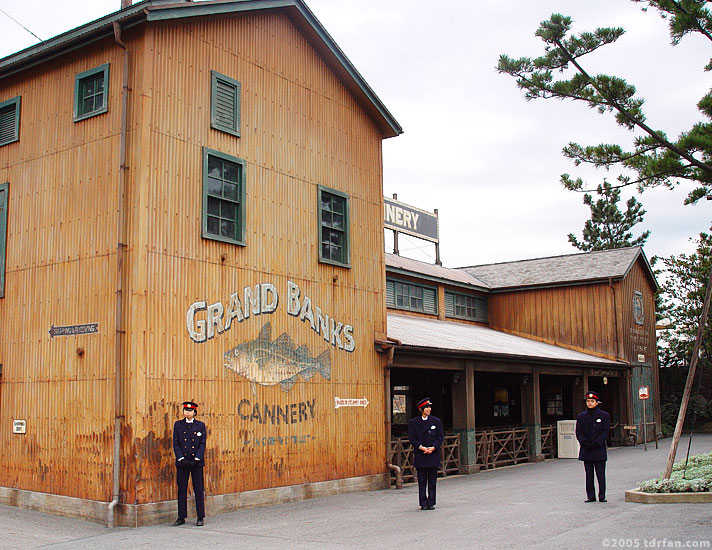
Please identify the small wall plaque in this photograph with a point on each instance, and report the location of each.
(19, 426)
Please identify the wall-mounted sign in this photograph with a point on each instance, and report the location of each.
(19, 426)
(74, 330)
(641, 358)
(643, 392)
(338, 402)
(410, 220)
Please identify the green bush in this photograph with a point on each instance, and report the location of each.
(698, 477)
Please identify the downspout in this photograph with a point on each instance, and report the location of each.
(389, 347)
(120, 246)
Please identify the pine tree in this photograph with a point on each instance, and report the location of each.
(655, 159)
(609, 227)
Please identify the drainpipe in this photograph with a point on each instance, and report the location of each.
(121, 245)
(389, 348)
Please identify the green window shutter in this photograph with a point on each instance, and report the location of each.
(390, 294)
(3, 234)
(223, 211)
(10, 121)
(91, 92)
(430, 302)
(449, 304)
(482, 311)
(225, 104)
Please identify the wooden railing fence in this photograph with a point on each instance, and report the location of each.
(402, 455)
(502, 447)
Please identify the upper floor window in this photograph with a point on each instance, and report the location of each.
(463, 306)
(411, 297)
(223, 216)
(10, 120)
(334, 227)
(225, 104)
(91, 90)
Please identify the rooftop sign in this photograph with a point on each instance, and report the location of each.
(410, 220)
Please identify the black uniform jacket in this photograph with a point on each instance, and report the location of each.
(189, 442)
(592, 427)
(428, 433)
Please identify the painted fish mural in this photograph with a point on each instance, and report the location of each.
(269, 362)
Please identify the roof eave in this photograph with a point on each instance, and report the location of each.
(315, 32)
(432, 278)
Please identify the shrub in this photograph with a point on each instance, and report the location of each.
(698, 477)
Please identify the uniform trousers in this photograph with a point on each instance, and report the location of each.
(427, 479)
(182, 474)
(599, 466)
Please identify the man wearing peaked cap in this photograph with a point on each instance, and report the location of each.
(592, 426)
(189, 448)
(426, 434)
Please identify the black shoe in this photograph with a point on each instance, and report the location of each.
(602, 500)
(179, 521)
(590, 500)
(423, 507)
(200, 522)
(431, 507)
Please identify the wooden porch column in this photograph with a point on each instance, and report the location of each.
(531, 413)
(463, 418)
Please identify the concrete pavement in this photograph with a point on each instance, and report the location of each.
(527, 506)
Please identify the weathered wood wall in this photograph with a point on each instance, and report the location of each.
(300, 129)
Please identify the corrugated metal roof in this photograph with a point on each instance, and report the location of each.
(556, 270)
(420, 332)
(399, 263)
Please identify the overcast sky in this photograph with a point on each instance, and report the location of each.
(473, 147)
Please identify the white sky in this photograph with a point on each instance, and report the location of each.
(473, 147)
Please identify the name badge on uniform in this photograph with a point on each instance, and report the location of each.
(597, 420)
(432, 427)
(198, 434)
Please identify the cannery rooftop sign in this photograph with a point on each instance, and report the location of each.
(407, 219)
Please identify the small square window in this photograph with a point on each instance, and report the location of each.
(91, 92)
(10, 121)
(223, 197)
(334, 227)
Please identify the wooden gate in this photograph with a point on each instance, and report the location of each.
(502, 447)
(548, 441)
(402, 455)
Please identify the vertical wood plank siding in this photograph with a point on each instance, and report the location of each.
(300, 128)
(61, 266)
(582, 317)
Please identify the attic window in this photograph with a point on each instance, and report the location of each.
(10, 121)
(91, 90)
(225, 104)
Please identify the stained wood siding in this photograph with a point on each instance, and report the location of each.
(61, 270)
(300, 128)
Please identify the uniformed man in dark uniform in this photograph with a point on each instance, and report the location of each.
(592, 427)
(189, 448)
(425, 433)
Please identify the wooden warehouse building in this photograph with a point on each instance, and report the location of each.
(191, 200)
(509, 349)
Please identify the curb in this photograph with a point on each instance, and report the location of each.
(636, 495)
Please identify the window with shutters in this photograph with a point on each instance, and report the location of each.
(334, 227)
(225, 104)
(10, 121)
(3, 234)
(223, 216)
(411, 297)
(91, 93)
(463, 306)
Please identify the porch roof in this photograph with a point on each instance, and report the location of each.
(430, 335)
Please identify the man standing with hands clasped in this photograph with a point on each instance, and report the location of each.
(189, 448)
(425, 433)
(592, 427)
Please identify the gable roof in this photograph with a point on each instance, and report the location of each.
(157, 10)
(583, 268)
(408, 266)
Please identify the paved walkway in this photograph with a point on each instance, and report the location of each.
(528, 506)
